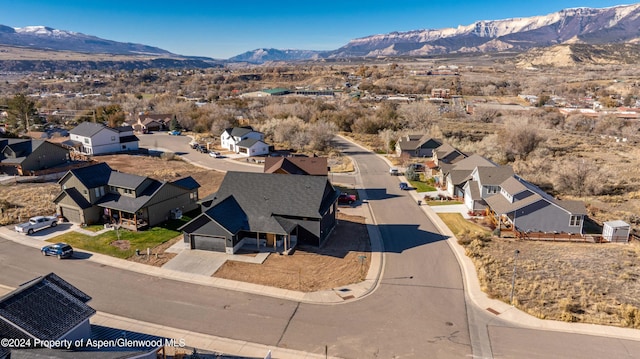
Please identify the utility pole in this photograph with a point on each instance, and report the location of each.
(513, 279)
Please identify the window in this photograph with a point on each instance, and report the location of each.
(127, 191)
(86, 140)
(493, 189)
(113, 138)
(574, 221)
(99, 191)
(193, 196)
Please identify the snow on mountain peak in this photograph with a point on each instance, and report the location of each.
(43, 31)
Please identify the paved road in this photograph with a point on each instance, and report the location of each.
(418, 311)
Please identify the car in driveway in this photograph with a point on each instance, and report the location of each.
(175, 133)
(60, 250)
(215, 154)
(394, 171)
(202, 149)
(36, 223)
(346, 198)
(404, 186)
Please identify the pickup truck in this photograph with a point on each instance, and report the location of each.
(36, 223)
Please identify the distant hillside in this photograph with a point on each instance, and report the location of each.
(580, 54)
(260, 56)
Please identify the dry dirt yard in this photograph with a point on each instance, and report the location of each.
(311, 269)
(573, 282)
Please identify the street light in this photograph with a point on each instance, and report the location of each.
(513, 279)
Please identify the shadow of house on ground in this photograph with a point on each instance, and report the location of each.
(400, 237)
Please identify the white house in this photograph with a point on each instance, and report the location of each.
(252, 147)
(95, 139)
(232, 137)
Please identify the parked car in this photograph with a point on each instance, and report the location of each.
(346, 198)
(175, 133)
(215, 154)
(394, 171)
(194, 144)
(60, 250)
(417, 167)
(36, 223)
(404, 186)
(202, 149)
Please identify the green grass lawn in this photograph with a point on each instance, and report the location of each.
(457, 223)
(421, 186)
(94, 227)
(102, 243)
(138, 240)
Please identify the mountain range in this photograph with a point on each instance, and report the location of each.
(618, 24)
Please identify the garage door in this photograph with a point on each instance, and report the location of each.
(72, 215)
(216, 244)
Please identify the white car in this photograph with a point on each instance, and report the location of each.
(215, 154)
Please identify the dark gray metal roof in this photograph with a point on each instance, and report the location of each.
(130, 204)
(91, 176)
(75, 195)
(248, 142)
(47, 307)
(125, 180)
(494, 176)
(187, 183)
(239, 131)
(265, 196)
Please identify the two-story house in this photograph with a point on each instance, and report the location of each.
(95, 139)
(484, 182)
(244, 140)
(416, 146)
(98, 194)
(457, 174)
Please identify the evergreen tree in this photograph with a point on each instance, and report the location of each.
(21, 111)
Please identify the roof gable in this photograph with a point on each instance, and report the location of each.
(263, 195)
(315, 166)
(90, 176)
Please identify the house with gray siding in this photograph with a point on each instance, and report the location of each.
(264, 210)
(98, 194)
(484, 181)
(457, 174)
(416, 146)
(27, 156)
(524, 207)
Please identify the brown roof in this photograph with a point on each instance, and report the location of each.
(314, 166)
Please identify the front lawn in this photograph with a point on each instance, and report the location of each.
(129, 241)
(422, 186)
(438, 202)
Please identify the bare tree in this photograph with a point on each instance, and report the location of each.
(518, 138)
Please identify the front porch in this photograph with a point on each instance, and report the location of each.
(266, 243)
(126, 220)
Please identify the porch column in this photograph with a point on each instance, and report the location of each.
(258, 240)
(285, 242)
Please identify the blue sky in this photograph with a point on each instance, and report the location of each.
(222, 29)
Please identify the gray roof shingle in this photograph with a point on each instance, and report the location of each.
(47, 307)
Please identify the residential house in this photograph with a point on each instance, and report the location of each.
(416, 146)
(482, 183)
(244, 140)
(96, 139)
(313, 166)
(524, 207)
(48, 308)
(152, 122)
(26, 156)
(264, 209)
(456, 175)
(98, 194)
